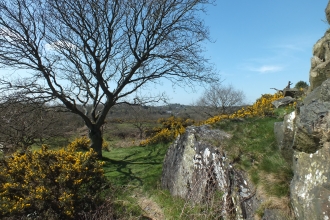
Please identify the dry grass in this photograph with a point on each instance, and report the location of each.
(282, 204)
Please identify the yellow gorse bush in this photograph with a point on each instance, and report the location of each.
(170, 129)
(60, 182)
(173, 126)
(262, 107)
(83, 143)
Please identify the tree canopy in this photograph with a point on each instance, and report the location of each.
(98, 52)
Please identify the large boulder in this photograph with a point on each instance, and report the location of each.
(292, 92)
(320, 67)
(313, 121)
(284, 134)
(327, 12)
(283, 101)
(196, 166)
(310, 188)
(320, 63)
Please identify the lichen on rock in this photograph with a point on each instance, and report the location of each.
(310, 189)
(196, 166)
(320, 62)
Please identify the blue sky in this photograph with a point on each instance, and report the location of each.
(260, 44)
(257, 45)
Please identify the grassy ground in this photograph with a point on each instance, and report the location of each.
(138, 166)
(253, 148)
(137, 170)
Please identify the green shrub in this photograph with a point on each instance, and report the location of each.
(301, 85)
(50, 184)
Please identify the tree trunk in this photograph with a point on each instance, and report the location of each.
(95, 136)
(140, 132)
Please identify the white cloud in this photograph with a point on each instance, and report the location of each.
(266, 69)
(290, 47)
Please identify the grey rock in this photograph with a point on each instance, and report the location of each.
(283, 101)
(189, 161)
(279, 133)
(325, 91)
(327, 12)
(320, 63)
(196, 166)
(312, 96)
(272, 214)
(310, 188)
(284, 134)
(312, 123)
(292, 92)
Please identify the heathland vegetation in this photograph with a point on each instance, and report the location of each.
(61, 178)
(84, 64)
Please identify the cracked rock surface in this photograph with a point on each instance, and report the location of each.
(196, 166)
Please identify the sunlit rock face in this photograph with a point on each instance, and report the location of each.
(195, 167)
(284, 132)
(327, 12)
(320, 62)
(283, 101)
(310, 186)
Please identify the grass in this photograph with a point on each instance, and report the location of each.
(136, 171)
(253, 148)
(138, 166)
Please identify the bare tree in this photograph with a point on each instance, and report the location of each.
(97, 52)
(26, 123)
(219, 99)
(139, 118)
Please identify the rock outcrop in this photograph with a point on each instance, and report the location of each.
(310, 186)
(292, 92)
(310, 189)
(195, 167)
(283, 101)
(284, 135)
(320, 63)
(327, 12)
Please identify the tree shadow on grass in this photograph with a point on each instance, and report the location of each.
(133, 168)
